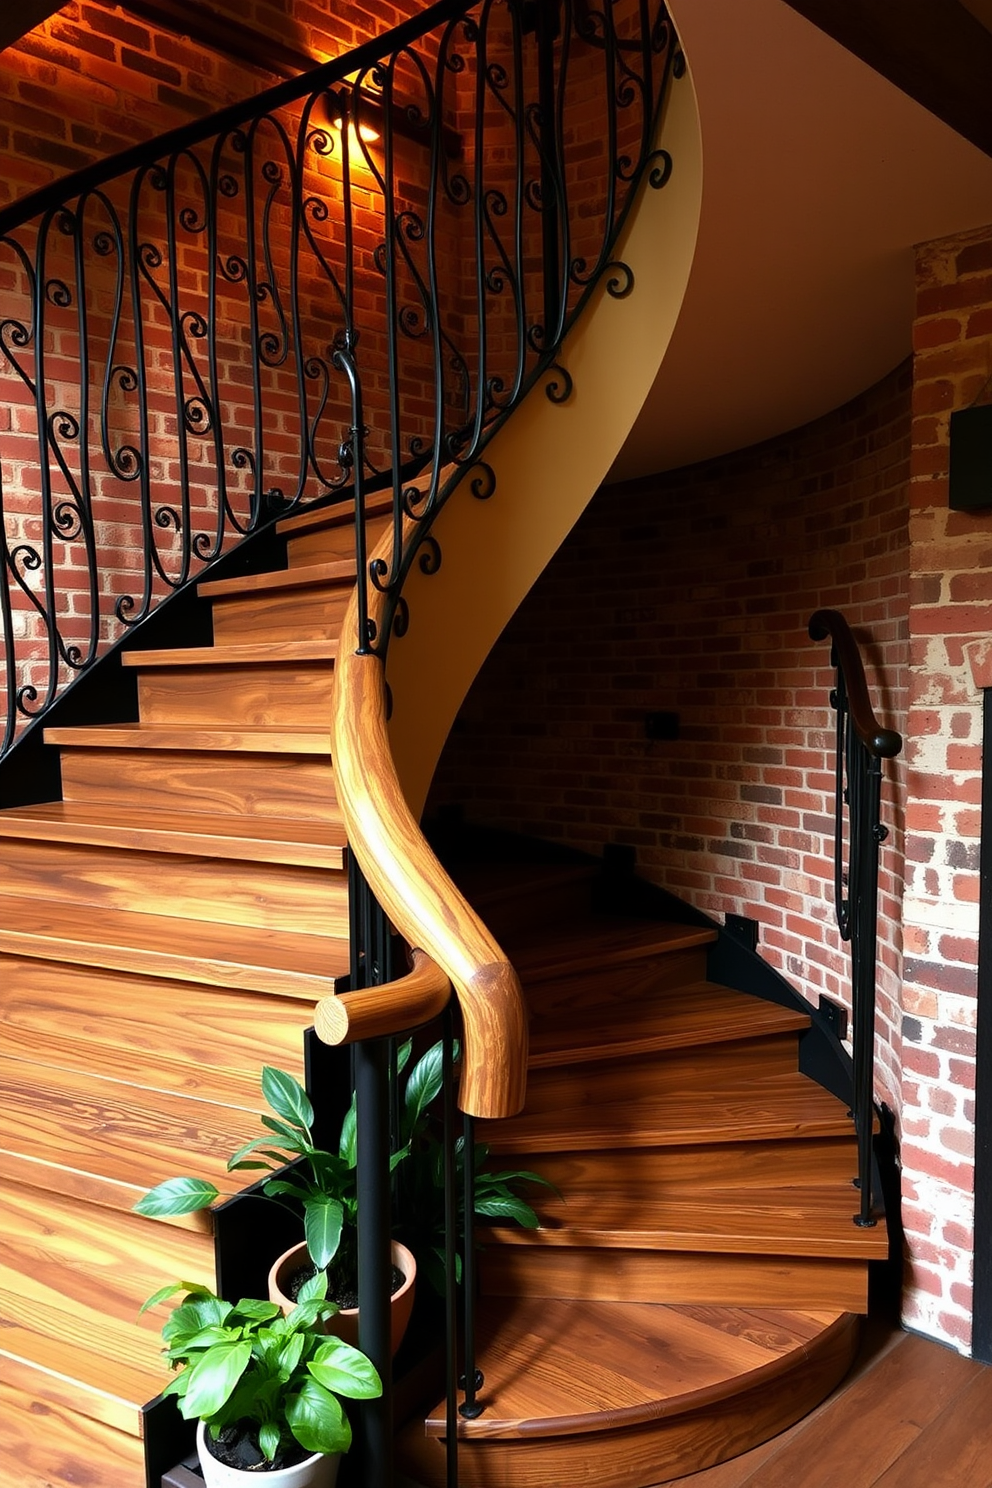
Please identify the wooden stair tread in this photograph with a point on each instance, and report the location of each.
(161, 1035)
(376, 504)
(278, 962)
(332, 574)
(700, 1013)
(72, 1281)
(600, 942)
(259, 839)
(110, 1141)
(771, 1106)
(54, 1447)
(185, 739)
(811, 1220)
(262, 654)
(567, 1368)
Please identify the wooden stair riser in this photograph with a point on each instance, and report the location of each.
(121, 1140)
(781, 1107)
(277, 963)
(55, 1446)
(513, 915)
(307, 614)
(250, 695)
(151, 1032)
(636, 1455)
(262, 894)
(301, 789)
(623, 988)
(675, 1277)
(325, 544)
(103, 1263)
(660, 1171)
(628, 1080)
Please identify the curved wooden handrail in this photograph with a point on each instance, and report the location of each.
(422, 902)
(378, 1012)
(885, 743)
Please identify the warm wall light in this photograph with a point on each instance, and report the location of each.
(372, 126)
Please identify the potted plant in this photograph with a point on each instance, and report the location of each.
(263, 1386)
(324, 1184)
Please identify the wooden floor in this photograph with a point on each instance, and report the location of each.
(911, 1414)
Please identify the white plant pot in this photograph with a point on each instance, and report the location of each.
(318, 1471)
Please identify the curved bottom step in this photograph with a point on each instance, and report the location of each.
(630, 1394)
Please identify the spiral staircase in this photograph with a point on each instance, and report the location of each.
(172, 915)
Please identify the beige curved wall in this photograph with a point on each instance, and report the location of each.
(549, 460)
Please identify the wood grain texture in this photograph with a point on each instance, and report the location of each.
(578, 1026)
(420, 898)
(274, 840)
(279, 615)
(249, 696)
(695, 1064)
(297, 787)
(811, 1220)
(158, 1034)
(675, 1276)
(116, 1140)
(278, 962)
(769, 1106)
(757, 1404)
(304, 741)
(72, 1281)
(275, 896)
(54, 1447)
(378, 1012)
(338, 574)
(281, 653)
(877, 1423)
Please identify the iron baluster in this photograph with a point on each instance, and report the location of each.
(371, 965)
(472, 1379)
(450, 1253)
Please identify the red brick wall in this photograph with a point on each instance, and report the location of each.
(93, 79)
(950, 622)
(691, 593)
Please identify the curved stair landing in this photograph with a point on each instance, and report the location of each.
(694, 1287)
(629, 1394)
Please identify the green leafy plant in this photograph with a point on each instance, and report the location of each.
(325, 1185)
(245, 1362)
(422, 1177)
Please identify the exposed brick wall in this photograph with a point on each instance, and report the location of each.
(93, 78)
(950, 622)
(691, 593)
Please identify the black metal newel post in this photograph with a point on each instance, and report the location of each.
(472, 1379)
(450, 1254)
(371, 965)
(861, 745)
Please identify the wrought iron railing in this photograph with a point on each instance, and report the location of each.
(360, 268)
(862, 744)
(357, 272)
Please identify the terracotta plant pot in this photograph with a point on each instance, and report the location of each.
(318, 1471)
(344, 1324)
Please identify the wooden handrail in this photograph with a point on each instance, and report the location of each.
(422, 902)
(378, 1012)
(885, 743)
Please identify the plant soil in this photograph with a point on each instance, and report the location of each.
(342, 1286)
(237, 1446)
